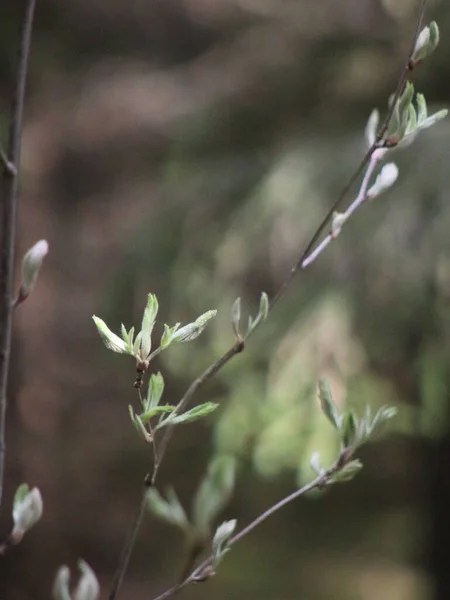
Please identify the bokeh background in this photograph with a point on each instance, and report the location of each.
(189, 148)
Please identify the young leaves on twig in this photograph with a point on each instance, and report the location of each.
(221, 541)
(141, 346)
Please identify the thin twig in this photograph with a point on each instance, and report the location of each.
(128, 547)
(11, 164)
(190, 393)
(360, 198)
(407, 67)
(204, 570)
(239, 345)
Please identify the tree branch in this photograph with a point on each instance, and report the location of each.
(308, 255)
(11, 164)
(204, 571)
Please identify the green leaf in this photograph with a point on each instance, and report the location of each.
(384, 414)
(349, 430)
(137, 345)
(426, 43)
(196, 413)
(264, 307)
(433, 119)
(167, 336)
(348, 472)
(422, 111)
(170, 510)
(131, 339)
(19, 497)
(156, 410)
(148, 322)
(111, 340)
(155, 391)
(139, 425)
(403, 108)
(221, 540)
(214, 492)
(193, 330)
(125, 336)
(235, 317)
(327, 405)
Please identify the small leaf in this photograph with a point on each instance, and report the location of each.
(426, 42)
(19, 497)
(137, 345)
(433, 119)
(155, 391)
(236, 316)
(31, 265)
(148, 322)
(264, 306)
(386, 178)
(170, 511)
(372, 127)
(27, 510)
(131, 340)
(314, 463)
(139, 426)
(167, 336)
(156, 410)
(221, 539)
(349, 429)
(88, 587)
(125, 336)
(384, 414)
(60, 589)
(193, 330)
(327, 405)
(422, 111)
(348, 472)
(194, 414)
(214, 492)
(111, 340)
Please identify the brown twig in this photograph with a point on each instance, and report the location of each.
(129, 545)
(239, 345)
(11, 164)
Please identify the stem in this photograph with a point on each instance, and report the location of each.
(190, 393)
(360, 198)
(11, 164)
(128, 547)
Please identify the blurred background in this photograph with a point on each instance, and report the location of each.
(190, 148)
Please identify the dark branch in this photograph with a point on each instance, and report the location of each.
(11, 164)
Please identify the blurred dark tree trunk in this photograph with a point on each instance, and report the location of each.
(438, 475)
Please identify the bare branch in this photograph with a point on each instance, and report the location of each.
(11, 162)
